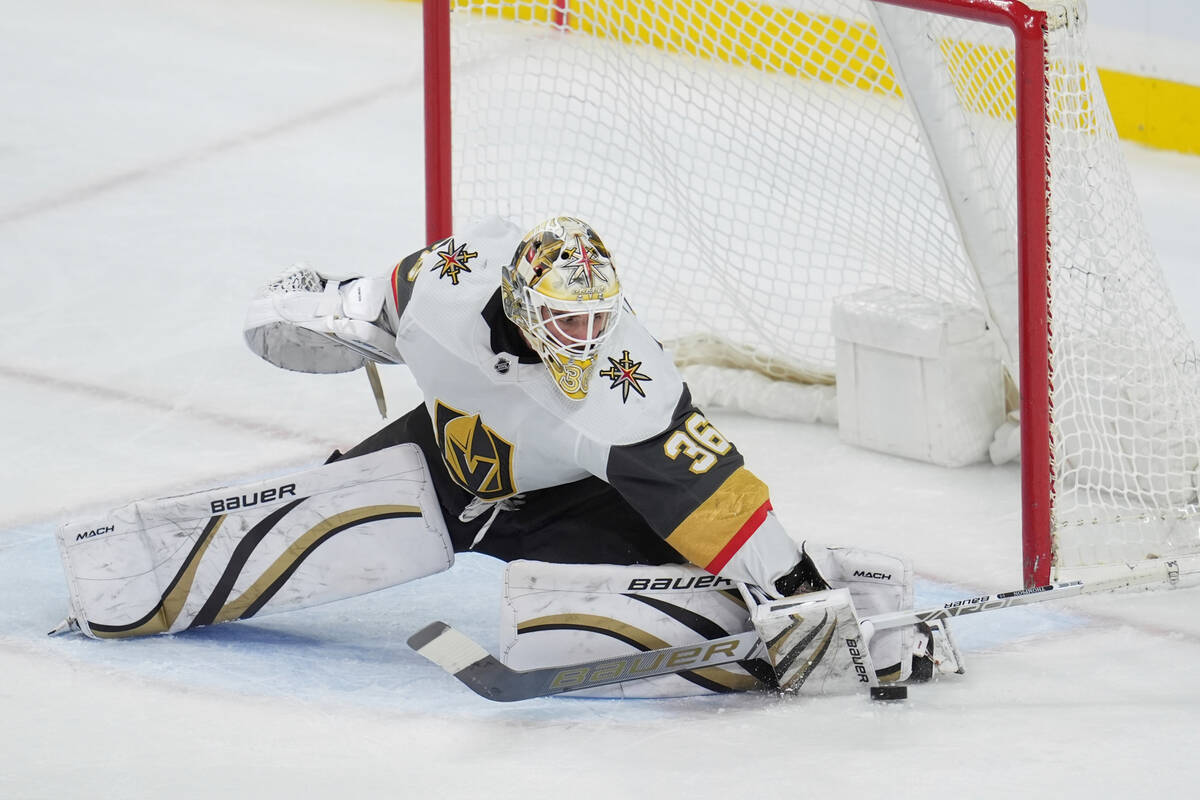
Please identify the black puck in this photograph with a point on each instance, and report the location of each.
(889, 692)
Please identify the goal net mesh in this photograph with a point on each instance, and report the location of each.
(755, 162)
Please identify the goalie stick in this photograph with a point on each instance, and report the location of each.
(485, 675)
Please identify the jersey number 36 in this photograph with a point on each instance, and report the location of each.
(702, 443)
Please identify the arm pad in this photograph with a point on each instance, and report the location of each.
(767, 556)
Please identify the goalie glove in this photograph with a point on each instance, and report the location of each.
(309, 321)
(814, 642)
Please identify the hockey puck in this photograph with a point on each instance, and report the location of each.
(889, 692)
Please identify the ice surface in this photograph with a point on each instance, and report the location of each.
(158, 162)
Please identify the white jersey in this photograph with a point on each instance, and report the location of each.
(505, 428)
(447, 343)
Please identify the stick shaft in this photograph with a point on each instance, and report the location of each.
(1166, 572)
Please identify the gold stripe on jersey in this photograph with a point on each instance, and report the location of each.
(711, 534)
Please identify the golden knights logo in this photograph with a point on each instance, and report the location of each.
(589, 270)
(452, 260)
(478, 459)
(624, 373)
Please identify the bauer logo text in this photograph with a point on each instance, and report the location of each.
(691, 582)
(856, 657)
(236, 502)
(645, 665)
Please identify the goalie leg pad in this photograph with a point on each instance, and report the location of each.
(335, 531)
(878, 584)
(558, 614)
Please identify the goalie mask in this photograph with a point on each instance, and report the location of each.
(562, 291)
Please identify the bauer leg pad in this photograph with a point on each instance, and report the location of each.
(556, 614)
(331, 532)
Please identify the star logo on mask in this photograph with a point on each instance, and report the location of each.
(624, 373)
(587, 267)
(452, 261)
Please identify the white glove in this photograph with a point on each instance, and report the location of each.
(308, 321)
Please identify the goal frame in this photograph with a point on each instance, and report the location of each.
(1029, 29)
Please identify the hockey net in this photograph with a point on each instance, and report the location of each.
(758, 161)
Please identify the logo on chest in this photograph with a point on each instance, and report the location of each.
(479, 460)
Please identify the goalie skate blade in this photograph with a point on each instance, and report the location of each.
(889, 692)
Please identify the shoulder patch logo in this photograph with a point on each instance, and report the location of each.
(452, 261)
(479, 460)
(624, 373)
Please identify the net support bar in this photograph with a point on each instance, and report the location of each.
(1033, 220)
(438, 196)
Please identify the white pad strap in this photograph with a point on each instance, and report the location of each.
(331, 532)
(558, 614)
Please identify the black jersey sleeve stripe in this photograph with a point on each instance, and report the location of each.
(667, 489)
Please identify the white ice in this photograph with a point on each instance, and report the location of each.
(158, 161)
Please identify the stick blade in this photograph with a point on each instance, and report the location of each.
(475, 667)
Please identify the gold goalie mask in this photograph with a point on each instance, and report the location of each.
(562, 291)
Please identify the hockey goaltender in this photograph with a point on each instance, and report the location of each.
(555, 434)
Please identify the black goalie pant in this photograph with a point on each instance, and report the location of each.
(585, 522)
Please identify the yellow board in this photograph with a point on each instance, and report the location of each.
(1155, 112)
(1159, 113)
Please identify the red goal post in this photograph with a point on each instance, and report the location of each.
(1051, 466)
